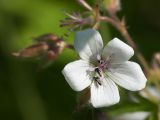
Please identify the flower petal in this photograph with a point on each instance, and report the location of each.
(104, 95)
(76, 74)
(128, 75)
(118, 51)
(88, 43)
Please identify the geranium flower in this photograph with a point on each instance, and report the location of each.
(102, 68)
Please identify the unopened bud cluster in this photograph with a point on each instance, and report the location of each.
(112, 5)
(75, 20)
(48, 45)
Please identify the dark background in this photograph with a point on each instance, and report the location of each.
(30, 93)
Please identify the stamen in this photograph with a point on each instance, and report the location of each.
(98, 71)
(98, 81)
(104, 64)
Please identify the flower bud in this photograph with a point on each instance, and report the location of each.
(33, 51)
(156, 61)
(48, 45)
(51, 55)
(75, 20)
(47, 37)
(113, 5)
(47, 48)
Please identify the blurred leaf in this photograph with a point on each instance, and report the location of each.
(84, 114)
(141, 104)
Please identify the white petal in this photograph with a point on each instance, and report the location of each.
(133, 116)
(118, 51)
(76, 74)
(104, 95)
(88, 43)
(128, 75)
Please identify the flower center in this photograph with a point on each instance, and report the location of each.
(98, 76)
(102, 65)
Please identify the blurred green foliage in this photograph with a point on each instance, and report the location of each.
(30, 93)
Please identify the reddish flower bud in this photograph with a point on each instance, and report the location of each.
(112, 5)
(47, 37)
(33, 51)
(48, 45)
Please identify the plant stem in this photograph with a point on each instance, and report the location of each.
(153, 98)
(120, 26)
(85, 4)
(93, 111)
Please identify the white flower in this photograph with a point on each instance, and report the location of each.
(141, 115)
(102, 69)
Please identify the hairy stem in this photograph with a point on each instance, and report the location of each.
(85, 4)
(153, 98)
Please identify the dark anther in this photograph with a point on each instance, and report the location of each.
(97, 80)
(98, 71)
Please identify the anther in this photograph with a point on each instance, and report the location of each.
(98, 71)
(97, 80)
